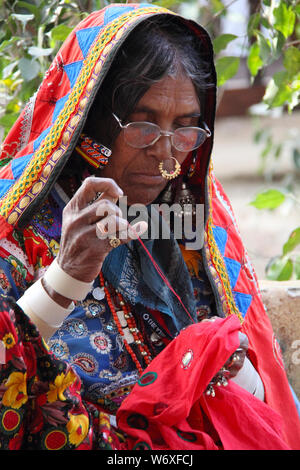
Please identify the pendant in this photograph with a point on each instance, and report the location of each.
(128, 336)
(121, 318)
(98, 293)
(126, 332)
(186, 200)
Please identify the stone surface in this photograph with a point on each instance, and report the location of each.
(282, 301)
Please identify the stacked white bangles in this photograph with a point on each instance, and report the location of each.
(37, 300)
(66, 285)
(249, 379)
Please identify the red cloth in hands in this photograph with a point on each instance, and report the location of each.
(168, 407)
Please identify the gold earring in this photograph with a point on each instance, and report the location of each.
(173, 174)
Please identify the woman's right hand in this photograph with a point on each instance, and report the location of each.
(85, 240)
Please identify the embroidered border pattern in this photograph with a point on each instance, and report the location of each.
(246, 264)
(39, 167)
(216, 263)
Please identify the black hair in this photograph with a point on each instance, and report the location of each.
(157, 47)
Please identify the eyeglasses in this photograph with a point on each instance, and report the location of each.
(143, 134)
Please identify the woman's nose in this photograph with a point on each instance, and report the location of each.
(161, 149)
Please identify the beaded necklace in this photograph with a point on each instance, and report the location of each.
(135, 334)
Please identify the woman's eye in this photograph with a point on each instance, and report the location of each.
(139, 117)
(191, 121)
(186, 123)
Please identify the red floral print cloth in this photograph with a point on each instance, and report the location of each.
(40, 402)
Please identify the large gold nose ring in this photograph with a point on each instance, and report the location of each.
(173, 174)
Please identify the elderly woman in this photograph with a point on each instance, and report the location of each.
(165, 333)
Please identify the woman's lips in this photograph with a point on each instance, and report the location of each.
(148, 178)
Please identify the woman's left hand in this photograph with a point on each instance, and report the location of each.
(236, 360)
(231, 367)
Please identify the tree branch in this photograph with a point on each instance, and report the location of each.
(291, 43)
(219, 13)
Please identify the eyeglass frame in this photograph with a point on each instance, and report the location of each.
(164, 133)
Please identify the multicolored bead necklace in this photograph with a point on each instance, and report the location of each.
(131, 334)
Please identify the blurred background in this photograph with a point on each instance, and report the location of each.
(257, 139)
(237, 158)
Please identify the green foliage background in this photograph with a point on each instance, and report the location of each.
(32, 31)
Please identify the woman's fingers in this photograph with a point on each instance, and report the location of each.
(137, 230)
(110, 225)
(94, 188)
(103, 208)
(236, 360)
(93, 225)
(231, 367)
(114, 226)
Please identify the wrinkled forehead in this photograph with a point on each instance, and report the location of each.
(172, 95)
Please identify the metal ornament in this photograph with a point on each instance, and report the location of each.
(186, 200)
(98, 293)
(173, 174)
(114, 242)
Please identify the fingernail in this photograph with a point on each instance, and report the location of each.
(141, 227)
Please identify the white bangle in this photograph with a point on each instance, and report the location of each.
(41, 304)
(66, 285)
(249, 379)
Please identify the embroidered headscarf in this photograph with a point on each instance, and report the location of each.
(43, 138)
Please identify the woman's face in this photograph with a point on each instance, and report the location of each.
(170, 103)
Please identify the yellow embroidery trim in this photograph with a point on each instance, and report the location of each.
(218, 270)
(39, 168)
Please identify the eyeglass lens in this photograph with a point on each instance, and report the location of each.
(141, 134)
